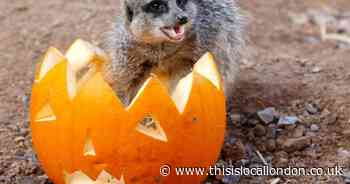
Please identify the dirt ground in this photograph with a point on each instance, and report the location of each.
(286, 66)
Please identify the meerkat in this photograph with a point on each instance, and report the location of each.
(169, 36)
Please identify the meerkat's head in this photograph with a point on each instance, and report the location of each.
(157, 21)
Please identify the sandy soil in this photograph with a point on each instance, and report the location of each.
(286, 66)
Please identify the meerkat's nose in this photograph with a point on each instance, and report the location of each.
(182, 19)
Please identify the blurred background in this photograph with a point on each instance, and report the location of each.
(296, 69)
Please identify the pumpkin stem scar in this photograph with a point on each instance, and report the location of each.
(45, 114)
(151, 127)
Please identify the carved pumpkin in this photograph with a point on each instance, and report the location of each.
(84, 135)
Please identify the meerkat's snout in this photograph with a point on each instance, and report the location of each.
(176, 33)
(182, 19)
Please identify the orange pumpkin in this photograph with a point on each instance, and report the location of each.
(84, 135)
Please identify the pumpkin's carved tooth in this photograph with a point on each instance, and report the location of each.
(106, 178)
(79, 177)
(151, 127)
(207, 68)
(45, 114)
(72, 85)
(182, 92)
(89, 149)
(82, 53)
(51, 59)
(139, 92)
(87, 75)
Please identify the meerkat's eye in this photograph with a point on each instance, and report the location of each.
(181, 3)
(156, 7)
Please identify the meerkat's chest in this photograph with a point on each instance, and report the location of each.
(170, 71)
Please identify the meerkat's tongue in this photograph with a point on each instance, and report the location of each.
(176, 32)
(179, 30)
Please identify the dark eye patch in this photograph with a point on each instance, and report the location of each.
(156, 7)
(181, 3)
(130, 13)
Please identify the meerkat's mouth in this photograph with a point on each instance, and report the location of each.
(176, 33)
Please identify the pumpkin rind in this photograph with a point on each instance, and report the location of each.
(91, 132)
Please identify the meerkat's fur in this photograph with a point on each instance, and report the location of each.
(169, 36)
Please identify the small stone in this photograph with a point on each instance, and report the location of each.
(27, 180)
(19, 153)
(312, 40)
(310, 134)
(288, 120)
(281, 159)
(271, 145)
(314, 128)
(331, 118)
(236, 118)
(319, 17)
(259, 130)
(271, 131)
(234, 151)
(346, 175)
(299, 131)
(316, 70)
(231, 179)
(312, 119)
(296, 144)
(346, 132)
(253, 122)
(341, 45)
(325, 113)
(251, 135)
(311, 109)
(247, 64)
(19, 139)
(341, 152)
(259, 146)
(299, 19)
(344, 25)
(302, 62)
(44, 179)
(290, 127)
(267, 115)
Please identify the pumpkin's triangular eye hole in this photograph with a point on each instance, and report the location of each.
(151, 127)
(45, 114)
(89, 149)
